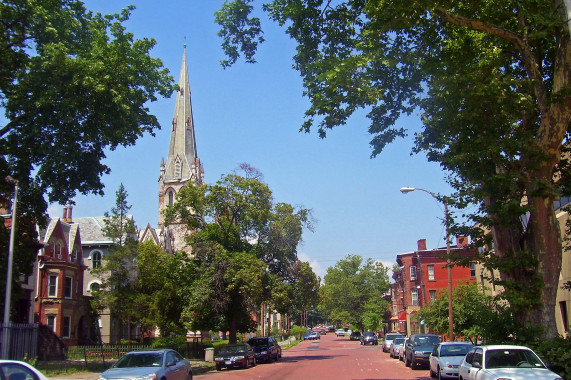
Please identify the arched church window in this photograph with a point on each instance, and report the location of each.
(171, 197)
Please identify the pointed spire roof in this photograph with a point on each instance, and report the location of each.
(182, 159)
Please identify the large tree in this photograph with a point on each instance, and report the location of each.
(72, 84)
(492, 83)
(118, 271)
(353, 291)
(241, 237)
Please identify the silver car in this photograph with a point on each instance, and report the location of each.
(396, 347)
(504, 361)
(446, 357)
(156, 364)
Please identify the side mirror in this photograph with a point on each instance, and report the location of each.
(476, 365)
(170, 364)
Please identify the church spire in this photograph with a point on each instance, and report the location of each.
(182, 163)
(182, 166)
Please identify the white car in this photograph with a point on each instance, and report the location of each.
(17, 370)
(340, 332)
(504, 362)
(446, 357)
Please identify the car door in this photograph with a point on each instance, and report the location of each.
(174, 371)
(474, 370)
(466, 364)
(433, 360)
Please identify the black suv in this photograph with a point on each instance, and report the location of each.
(266, 348)
(418, 348)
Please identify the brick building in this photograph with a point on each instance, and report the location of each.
(422, 276)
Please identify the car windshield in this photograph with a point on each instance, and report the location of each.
(147, 359)
(512, 358)
(455, 349)
(369, 334)
(422, 340)
(398, 341)
(258, 342)
(232, 349)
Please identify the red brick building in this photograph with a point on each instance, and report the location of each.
(422, 276)
(59, 301)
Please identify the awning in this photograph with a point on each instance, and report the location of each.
(402, 316)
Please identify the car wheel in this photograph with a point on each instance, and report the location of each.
(439, 373)
(432, 374)
(189, 377)
(413, 365)
(406, 362)
(255, 363)
(218, 368)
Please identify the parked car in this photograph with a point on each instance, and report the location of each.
(323, 332)
(401, 349)
(14, 369)
(446, 358)
(266, 348)
(315, 335)
(307, 335)
(504, 361)
(355, 335)
(418, 349)
(235, 355)
(331, 329)
(369, 338)
(396, 346)
(388, 341)
(156, 364)
(340, 332)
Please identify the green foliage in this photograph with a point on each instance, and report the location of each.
(72, 85)
(74, 82)
(118, 270)
(158, 299)
(244, 251)
(490, 83)
(169, 342)
(353, 293)
(555, 351)
(297, 331)
(475, 315)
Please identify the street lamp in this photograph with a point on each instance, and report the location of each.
(444, 200)
(7, 299)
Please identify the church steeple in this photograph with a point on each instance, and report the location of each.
(182, 165)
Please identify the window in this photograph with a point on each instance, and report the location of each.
(414, 294)
(431, 272)
(96, 259)
(68, 290)
(94, 287)
(472, 269)
(58, 250)
(564, 318)
(432, 295)
(66, 331)
(51, 322)
(52, 285)
(73, 257)
(171, 197)
(413, 273)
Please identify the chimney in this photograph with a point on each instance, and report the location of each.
(69, 219)
(461, 241)
(421, 245)
(64, 218)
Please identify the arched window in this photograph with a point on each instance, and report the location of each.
(171, 197)
(96, 259)
(58, 249)
(94, 287)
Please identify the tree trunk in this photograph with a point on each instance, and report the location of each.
(544, 242)
(232, 336)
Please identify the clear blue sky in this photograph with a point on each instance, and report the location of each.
(252, 113)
